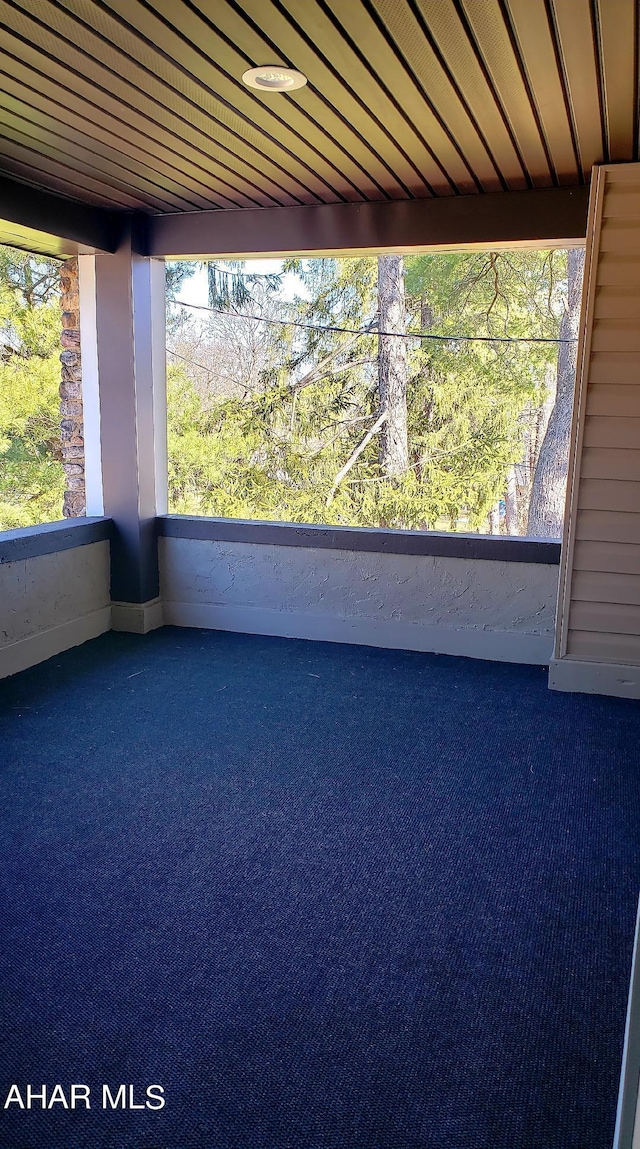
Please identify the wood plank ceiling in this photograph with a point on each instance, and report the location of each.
(138, 104)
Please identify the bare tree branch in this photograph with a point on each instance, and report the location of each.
(356, 454)
(341, 424)
(316, 372)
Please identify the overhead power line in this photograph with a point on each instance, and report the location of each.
(191, 362)
(370, 330)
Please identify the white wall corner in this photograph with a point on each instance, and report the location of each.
(137, 617)
(157, 272)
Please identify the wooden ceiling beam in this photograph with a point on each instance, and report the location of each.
(556, 217)
(553, 217)
(40, 221)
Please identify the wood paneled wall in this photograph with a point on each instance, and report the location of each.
(598, 628)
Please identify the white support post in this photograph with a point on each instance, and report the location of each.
(130, 359)
(158, 291)
(90, 392)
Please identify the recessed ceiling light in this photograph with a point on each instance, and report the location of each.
(273, 78)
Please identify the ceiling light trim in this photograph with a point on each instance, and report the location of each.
(274, 78)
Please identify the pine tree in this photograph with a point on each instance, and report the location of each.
(308, 443)
(31, 476)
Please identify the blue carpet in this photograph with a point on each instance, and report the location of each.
(328, 897)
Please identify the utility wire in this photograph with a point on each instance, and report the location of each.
(192, 362)
(375, 331)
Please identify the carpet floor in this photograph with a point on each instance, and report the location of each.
(326, 897)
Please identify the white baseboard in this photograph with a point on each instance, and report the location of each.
(137, 617)
(594, 678)
(471, 642)
(47, 643)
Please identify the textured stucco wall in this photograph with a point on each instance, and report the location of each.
(485, 609)
(53, 600)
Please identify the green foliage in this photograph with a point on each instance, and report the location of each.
(230, 286)
(31, 476)
(175, 273)
(276, 454)
(275, 449)
(467, 399)
(221, 462)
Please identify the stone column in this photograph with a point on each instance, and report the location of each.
(72, 431)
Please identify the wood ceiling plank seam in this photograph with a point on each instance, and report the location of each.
(386, 12)
(602, 99)
(306, 55)
(494, 94)
(15, 152)
(532, 36)
(364, 145)
(384, 163)
(490, 37)
(564, 82)
(361, 163)
(637, 83)
(20, 89)
(363, 176)
(466, 179)
(227, 201)
(54, 65)
(61, 131)
(574, 34)
(617, 40)
(335, 160)
(14, 171)
(196, 104)
(17, 239)
(141, 95)
(367, 38)
(450, 37)
(526, 83)
(412, 179)
(238, 99)
(75, 163)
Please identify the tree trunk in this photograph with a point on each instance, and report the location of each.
(546, 506)
(511, 503)
(392, 366)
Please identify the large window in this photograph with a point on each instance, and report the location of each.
(32, 481)
(429, 392)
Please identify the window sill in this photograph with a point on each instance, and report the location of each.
(497, 548)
